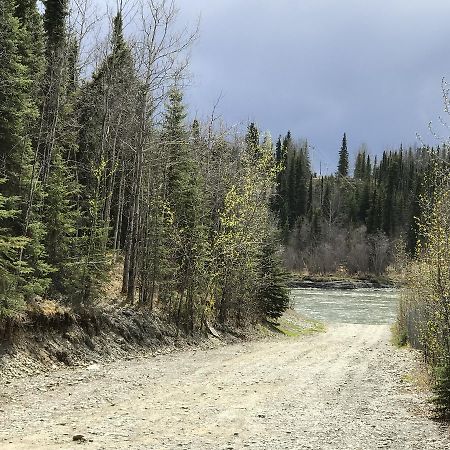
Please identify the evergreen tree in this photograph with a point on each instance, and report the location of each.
(11, 269)
(58, 151)
(368, 171)
(278, 151)
(364, 203)
(441, 390)
(252, 140)
(184, 202)
(310, 204)
(55, 15)
(32, 45)
(110, 162)
(18, 162)
(273, 293)
(326, 203)
(343, 158)
(360, 166)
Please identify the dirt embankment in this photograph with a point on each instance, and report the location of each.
(348, 388)
(46, 338)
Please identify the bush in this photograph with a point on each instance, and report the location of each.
(441, 389)
(424, 314)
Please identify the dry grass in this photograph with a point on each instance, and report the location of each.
(47, 308)
(113, 287)
(420, 379)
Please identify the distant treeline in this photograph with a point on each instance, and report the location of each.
(356, 220)
(101, 173)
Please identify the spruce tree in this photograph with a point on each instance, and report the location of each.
(368, 171)
(58, 149)
(326, 203)
(310, 204)
(55, 15)
(441, 391)
(32, 44)
(252, 140)
(273, 293)
(15, 105)
(343, 158)
(278, 151)
(11, 268)
(364, 203)
(184, 202)
(19, 166)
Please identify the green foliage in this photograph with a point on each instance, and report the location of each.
(11, 270)
(92, 177)
(55, 15)
(293, 196)
(15, 104)
(185, 203)
(273, 291)
(31, 44)
(19, 165)
(381, 199)
(441, 390)
(343, 158)
(252, 140)
(425, 305)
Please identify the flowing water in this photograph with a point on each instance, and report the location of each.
(369, 306)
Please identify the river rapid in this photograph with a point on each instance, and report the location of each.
(357, 306)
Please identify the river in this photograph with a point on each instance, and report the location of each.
(359, 306)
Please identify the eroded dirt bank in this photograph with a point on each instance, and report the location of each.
(343, 389)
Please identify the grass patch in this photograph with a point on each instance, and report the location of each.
(399, 337)
(293, 330)
(419, 378)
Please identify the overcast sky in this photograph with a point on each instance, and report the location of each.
(320, 68)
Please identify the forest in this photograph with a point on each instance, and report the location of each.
(360, 220)
(101, 174)
(108, 189)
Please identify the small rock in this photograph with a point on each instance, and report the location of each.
(78, 438)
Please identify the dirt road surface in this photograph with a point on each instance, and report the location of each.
(347, 388)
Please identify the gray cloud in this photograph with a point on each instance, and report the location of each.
(322, 67)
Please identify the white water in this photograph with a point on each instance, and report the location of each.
(369, 306)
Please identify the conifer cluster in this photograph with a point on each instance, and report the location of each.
(102, 173)
(355, 222)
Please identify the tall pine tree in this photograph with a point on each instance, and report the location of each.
(343, 158)
(18, 163)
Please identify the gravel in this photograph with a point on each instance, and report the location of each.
(347, 388)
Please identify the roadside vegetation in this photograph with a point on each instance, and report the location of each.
(424, 315)
(109, 193)
(101, 172)
(355, 223)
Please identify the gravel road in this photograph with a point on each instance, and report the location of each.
(347, 388)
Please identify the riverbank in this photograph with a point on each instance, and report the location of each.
(341, 282)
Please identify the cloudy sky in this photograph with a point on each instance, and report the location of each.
(370, 68)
